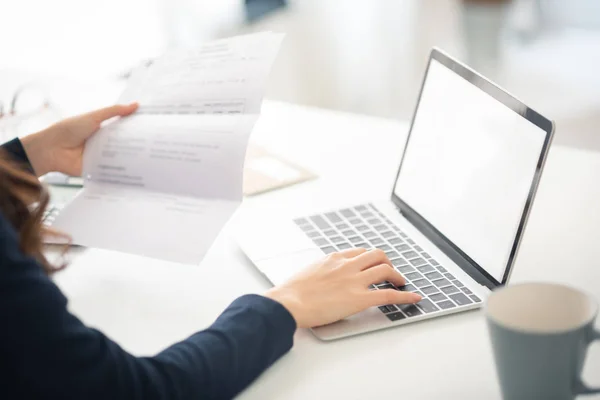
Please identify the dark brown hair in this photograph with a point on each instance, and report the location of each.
(23, 200)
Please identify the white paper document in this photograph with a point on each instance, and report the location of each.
(162, 182)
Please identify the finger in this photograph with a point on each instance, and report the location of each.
(371, 258)
(391, 296)
(118, 110)
(351, 253)
(380, 273)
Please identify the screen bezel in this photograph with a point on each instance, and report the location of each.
(462, 259)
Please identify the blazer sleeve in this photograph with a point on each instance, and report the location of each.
(47, 352)
(16, 152)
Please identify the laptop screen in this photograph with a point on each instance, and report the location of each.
(469, 166)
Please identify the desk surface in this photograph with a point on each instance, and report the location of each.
(146, 304)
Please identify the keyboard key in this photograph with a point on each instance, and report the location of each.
(418, 261)
(384, 247)
(355, 239)
(458, 284)
(411, 310)
(362, 228)
(392, 254)
(425, 268)
(376, 241)
(397, 230)
(346, 212)
(337, 239)
(433, 276)
(385, 285)
(402, 247)
(349, 232)
(319, 222)
(441, 269)
(418, 248)
(444, 305)
(403, 235)
(449, 276)
(410, 254)
(320, 241)
(433, 262)
(426, 255)
(374, 221)
(380, 228)
(397, 316)
(333, 217)
(366, 214)
(330, 232)
(306, 228)
(391, 308)
(301, 221)
(419, 293)
(398, 262)
(355, 221)
(413, 275)
(344, 246)
(395, 240)
(441, 283)
(410, 241)
(450, 289)
(363, 245)
(437, 297)
(328, 249)
(429, 290)
(420, 283)
(427, 306)
(369, 234)
(460, 299)
(475, 299)
(466, 290)
(408, 288)
(341, 227)
(313, 234)
(388, 234)
(362, 207)
(404, 269)
(383, 309)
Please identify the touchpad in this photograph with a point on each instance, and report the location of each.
(280, 269)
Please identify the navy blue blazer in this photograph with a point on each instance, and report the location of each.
(48, 353)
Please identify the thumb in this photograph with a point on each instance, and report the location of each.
(118, 110)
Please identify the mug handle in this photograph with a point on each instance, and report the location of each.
(581, 387)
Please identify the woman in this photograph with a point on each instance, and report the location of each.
(46, 352)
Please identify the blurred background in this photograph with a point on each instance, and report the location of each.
(60, 57)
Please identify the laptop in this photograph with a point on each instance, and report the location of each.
(457, 212)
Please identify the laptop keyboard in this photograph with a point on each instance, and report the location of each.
(365, 226)
(50, 214)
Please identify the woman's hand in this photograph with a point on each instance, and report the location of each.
(338, 286)
(60, 147)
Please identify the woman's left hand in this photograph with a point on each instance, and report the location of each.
(59, 148)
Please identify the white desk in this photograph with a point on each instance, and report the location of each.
(145, 305)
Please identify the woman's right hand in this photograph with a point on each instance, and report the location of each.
(338, 286)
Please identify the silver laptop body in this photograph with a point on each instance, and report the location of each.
(452, 226)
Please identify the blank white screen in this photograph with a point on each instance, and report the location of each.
(469, 166)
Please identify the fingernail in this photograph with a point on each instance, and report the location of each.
(417, 297)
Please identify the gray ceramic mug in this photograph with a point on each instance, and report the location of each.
(540, 334)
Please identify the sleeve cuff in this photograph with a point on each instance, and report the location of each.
(17, 153)
(279, 315)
